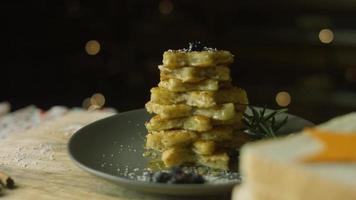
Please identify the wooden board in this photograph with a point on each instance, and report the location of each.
(38, 161)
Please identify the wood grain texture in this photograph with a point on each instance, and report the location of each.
(38, 161)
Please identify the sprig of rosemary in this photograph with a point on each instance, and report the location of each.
(262, 124)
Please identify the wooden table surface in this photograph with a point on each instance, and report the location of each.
(38, 161)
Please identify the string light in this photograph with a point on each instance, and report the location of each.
(326, 36)
(86, 103)
(92, 47)
(165, 7)
(283, 98)
(96, 101)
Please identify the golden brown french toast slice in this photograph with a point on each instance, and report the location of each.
(209, 144)
(201, 99)
(177, 156)
(203, 152)
(194, 74)
(162, 140)
(192, 123)
(176, 85)
(181, 58)
(219, 134)
(208, 147)
(204, 147)
(220, 112)
(217, 160)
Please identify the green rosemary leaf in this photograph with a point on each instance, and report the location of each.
(247, 116)
(280, 124)
(273, 121)
(263, 127)
(263, 124)
(274, 113)
(269, 115)
(271, 131)
(254, 112)
(262, 112)
(246, 122)
(283, 110)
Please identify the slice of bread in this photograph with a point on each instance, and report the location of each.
(201, 99)
(180, 58)
(192, 123)
(275, 168)
(176, 85)
(220, 112)
(195, 74)
(177, 156)
(216, 161)
(162, 140)
(204, 147)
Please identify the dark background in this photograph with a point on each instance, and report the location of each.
(276, 44)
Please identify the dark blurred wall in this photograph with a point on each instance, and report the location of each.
(306, 49)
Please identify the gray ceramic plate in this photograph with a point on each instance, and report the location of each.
(112, 149)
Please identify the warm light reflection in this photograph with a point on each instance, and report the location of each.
(97, 99)
(165, 7)
(326, 36)
(283, 98)
(86, 103)
(92, 47)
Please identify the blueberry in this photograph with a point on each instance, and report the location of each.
(161, 177)
(173, 180)
(180, 178)
(195, 178)
(196, 46)
(176, 175)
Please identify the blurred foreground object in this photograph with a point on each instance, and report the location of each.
(30, 116)
(4, 108)
(277, 170)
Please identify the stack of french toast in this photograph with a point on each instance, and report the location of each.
(197, 111)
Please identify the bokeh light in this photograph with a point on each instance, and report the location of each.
(86, 103)
(165, 7)
(283, 99)
(97, 99)
(92, 47)
(326, 36)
